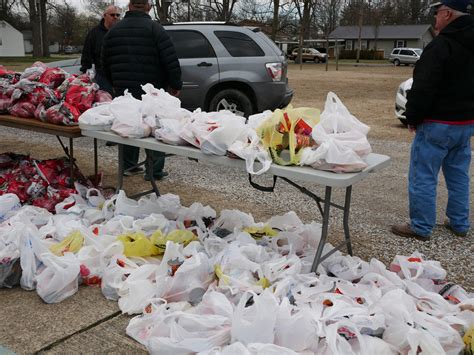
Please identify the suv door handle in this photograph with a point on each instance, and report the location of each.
(204, 64)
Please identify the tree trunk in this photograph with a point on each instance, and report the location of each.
(275, 22)
(44, 28)
(36, 29)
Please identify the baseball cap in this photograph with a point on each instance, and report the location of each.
(459, 5)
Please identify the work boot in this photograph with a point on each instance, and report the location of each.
(452, 230)
(404, 230)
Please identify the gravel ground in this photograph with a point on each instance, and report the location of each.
(377, 202)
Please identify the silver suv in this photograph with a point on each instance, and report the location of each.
(226, 67)
(405, 56)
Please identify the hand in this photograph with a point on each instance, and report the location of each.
(411, 128)
(175, 92)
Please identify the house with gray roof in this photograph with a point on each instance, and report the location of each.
(384, 37)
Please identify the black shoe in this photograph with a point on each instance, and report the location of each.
(162, 176)
(110, 144)
(447, 225)
(134, 171)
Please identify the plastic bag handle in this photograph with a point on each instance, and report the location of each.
(263, 188)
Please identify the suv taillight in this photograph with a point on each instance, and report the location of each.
(275, 70)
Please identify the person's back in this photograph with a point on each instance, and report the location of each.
(139, 51)
(447, 94)
(135, 52)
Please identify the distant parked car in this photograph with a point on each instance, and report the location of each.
(70, 50)
(401, 100)
(309, 54)
(405, 56)
(225, 67)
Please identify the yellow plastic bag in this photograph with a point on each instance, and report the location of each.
(259, 232)
(278, 132)
(469, 341)
(137, 244)
(178, 236)
(72, 243)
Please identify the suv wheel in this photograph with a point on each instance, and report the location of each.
(316, 60)
(396, 62)
(232, 100)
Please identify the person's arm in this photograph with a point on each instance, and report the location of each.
(86, 57)
(168, 58)
(104, 58)
(427, 78)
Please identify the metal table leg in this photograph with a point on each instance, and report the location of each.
(96, 163)
(120, 168)
(324, 231)
(71, 158)
(347, 205)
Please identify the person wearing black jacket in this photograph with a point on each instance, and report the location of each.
(93, 44)
(440, 109)
(135, 52)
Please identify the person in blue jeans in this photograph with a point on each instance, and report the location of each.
(137, 51)
(440, 109)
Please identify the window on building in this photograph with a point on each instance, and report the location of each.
(363, 44)
(191, 44)
(400, 43)
(0, 41)
(349, 45)
(239, 44)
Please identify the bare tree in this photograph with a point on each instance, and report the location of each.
(96, 7)
(327, 13)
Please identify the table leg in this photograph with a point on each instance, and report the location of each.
(71, 158)
(120, 168)
(96, 163)
(324, 230)
(347, 205)
(150, 164)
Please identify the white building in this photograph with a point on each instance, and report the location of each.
(11, 41)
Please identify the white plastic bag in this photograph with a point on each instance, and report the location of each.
(128, 117)
(59, 279)
(8, 204)
(341, 140)
(255, 323)
(97, 118)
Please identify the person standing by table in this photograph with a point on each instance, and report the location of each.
(93, 45)
(440, 109)
(135, 52)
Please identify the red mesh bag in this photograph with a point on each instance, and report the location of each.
(53, 77)
(102, 96)
(63, 113)
(81, 96)
(23, 108)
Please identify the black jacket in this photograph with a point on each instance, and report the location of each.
(136, 51)
(443, 80)
(92, 48)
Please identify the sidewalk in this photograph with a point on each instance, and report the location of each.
(83, 323)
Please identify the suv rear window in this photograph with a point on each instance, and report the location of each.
(239, 44)
(406, 52)
(396, 51)
(191, 44)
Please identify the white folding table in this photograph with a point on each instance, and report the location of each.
(287, 173)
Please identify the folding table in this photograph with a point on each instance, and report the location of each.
(287, 173)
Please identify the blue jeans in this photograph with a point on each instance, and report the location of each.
(437, 146)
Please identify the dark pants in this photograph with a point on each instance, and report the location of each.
(103, 83)
(131, 155)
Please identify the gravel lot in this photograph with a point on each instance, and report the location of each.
(379, 201)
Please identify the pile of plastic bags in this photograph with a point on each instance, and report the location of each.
(225, 284)
(48, 94)
(42, 183)
(338, 142)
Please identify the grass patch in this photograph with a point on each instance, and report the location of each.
(21, 63)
